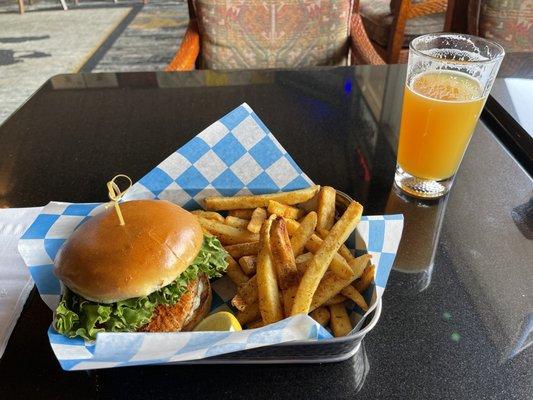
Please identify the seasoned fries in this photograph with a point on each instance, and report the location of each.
(366, 279)
(352, 293)
(283, 210)
(248, 264)
(256, 220)
(339, 320)
(326, 207)
(267, 286)
(244, 214)
(208, 215)
(320, 315)
(291, 256)
(235, 272)
(243, 249)
(236, 222)
(228, 234)
(303, 233)
(217, 203)
(320, 262)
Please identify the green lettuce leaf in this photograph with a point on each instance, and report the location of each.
(76, 316)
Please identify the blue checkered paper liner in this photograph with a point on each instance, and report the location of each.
(235, 155)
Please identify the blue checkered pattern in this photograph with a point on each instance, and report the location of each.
(235, 155)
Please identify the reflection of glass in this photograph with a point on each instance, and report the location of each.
(416, 253)
(448, 80)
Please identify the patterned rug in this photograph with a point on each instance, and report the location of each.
(95, 36)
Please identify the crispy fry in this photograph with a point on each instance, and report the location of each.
(267, 286)
(326, 207)
(228, 234)
(321, 315)
(339, 320)
(303, 233)
(283, 210)
(236, 222)
(323, 257)
(208, 215)
(217, 203)
(258, 216)
(338, 298)
(246, 294)
(288, 299)
(292, 226)
(343, 250)
(366, 279)
(302, 261)
(249, 313)
(255, 324)
(248, 264)
(282, 255)
(359, 264)
(331, 284)
(352, 293)
(244, 214)
(235, 272)
(242, 249)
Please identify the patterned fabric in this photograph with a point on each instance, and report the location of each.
(377, 17)
(242, 34)
(508, 22)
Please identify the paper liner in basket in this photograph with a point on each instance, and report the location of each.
(235, 155)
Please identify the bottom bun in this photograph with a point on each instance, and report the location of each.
(192, 307)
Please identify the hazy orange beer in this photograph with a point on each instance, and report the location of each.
(443, 99)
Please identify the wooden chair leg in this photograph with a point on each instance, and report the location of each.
(21, 7)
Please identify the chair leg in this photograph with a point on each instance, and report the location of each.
(21, 7)
(64, 5)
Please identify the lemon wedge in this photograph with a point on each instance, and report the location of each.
(220, 321)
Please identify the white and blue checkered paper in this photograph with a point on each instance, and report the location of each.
(235, 155)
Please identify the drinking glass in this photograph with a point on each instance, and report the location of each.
(449, 77)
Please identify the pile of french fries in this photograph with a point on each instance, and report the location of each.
(287, 256)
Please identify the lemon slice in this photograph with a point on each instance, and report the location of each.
(220, 321)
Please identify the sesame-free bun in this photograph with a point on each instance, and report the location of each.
(105, 262)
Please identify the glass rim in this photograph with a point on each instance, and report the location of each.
(498, 56)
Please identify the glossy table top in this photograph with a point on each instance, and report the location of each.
(457, 313)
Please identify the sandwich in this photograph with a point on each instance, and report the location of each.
(149, 275)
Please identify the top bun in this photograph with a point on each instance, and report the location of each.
(106, 262)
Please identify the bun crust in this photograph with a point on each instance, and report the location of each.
(106, 262)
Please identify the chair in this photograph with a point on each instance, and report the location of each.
(392, 24)
(255, 34)
(22, 8)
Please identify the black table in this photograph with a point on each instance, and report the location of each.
(457, 312)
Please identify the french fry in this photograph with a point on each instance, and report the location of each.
(323, 257)
(343, 250)
(235, 272)
(302, 261)
(338, 298)
(326, 207)
(242, 249)
(283, 210)
(267, 286)
(339, 265)
(228, 234)
(248, 264)
(217, 203)
(339, 320)
(208, 215)
(303, 233)
(255, 324)
(282, 255)
(248, 314)
(236, 222)
(366, 279)
(246, 294)
(320, 315)
(352, 293)
(258, 216)
(331, 284)
(244, 214)
(359, 264)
